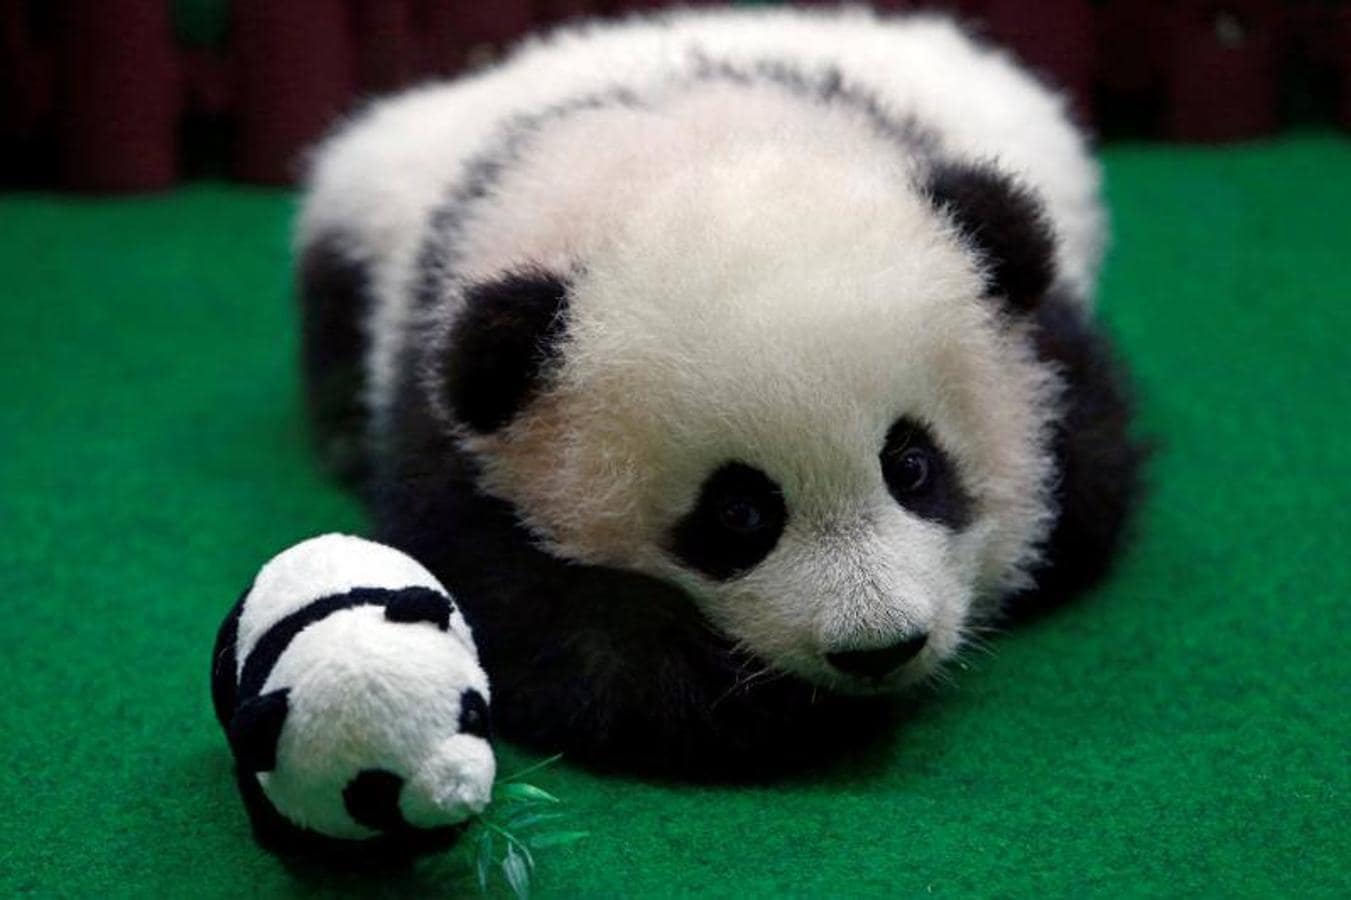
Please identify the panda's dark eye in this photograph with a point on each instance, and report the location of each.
(912, 471)
(735, 522)
(740, 515)
(921, 477)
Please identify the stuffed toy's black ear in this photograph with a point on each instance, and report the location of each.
(1005, 223)
(255, 730)
(419, 604)
(509, 329)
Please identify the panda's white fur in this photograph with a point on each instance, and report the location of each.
(379, 177)
(755, 270)
(798, 362)
(363, 693)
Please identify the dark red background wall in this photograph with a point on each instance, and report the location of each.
(120, 95)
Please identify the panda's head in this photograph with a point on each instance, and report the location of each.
(803, 391)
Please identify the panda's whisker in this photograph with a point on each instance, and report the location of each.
(940, 679)
(976, 643)
(756, 676)
(984, 629)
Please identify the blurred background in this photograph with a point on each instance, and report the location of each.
(127, 95)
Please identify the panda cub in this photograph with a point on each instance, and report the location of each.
(728, 366)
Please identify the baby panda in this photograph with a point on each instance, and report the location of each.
(348, 686)
(730, 367)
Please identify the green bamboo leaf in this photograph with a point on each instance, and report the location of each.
(526, 793)
(528, 770)
(483, 860)
(528, 818)
(555, 838)
(520, 845)
(518, 875)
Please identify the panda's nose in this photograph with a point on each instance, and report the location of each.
(878, 661)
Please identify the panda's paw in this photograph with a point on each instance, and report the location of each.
(453, 783)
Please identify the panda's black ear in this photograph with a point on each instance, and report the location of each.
(1005, 223)
(499, 346)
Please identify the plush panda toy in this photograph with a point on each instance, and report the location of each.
(730, 366)
(349, 688)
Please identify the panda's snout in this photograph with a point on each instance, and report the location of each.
(878, 662)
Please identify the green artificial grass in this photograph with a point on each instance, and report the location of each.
(1183, 731)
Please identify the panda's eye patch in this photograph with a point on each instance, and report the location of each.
(921, 477)
(736, 521)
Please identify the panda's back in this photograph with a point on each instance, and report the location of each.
(375, 183)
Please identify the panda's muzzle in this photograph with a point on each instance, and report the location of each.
(878, 662)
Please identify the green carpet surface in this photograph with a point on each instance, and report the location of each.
(1184, 731)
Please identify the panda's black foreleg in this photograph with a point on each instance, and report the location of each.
(613, 669)
(335, 296)
(1100, 460)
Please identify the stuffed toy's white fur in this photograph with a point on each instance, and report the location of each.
(349, 687)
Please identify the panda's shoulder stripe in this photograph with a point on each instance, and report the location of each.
(438, 256)
(273, 643)
(825, 84)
